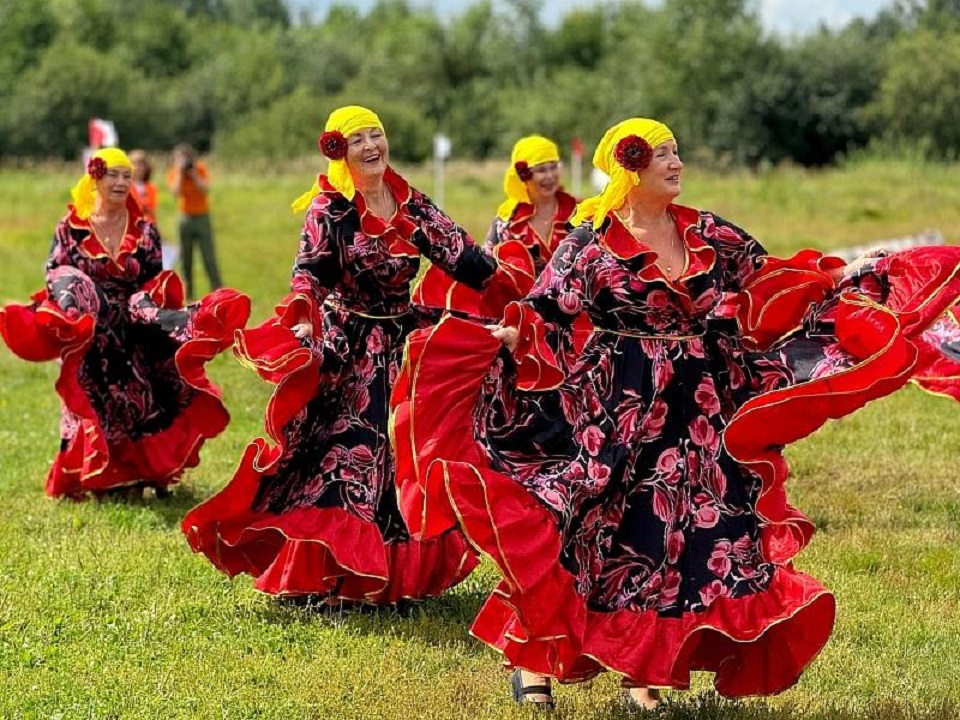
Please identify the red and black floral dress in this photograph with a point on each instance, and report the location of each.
(136, 403)
(519, 228)
(315, 510)
(632, 495)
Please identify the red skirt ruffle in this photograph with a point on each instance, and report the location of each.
(323, 551)
(89, 463)
(937, 372)
(310, 550)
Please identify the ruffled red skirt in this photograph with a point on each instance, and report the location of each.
(306, 549)
(938, 367)
(88, 461)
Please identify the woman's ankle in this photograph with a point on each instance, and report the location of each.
(532, 678)
(645, 697)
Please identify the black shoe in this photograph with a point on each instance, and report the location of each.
(522, 693)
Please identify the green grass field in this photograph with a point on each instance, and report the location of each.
(105, 612)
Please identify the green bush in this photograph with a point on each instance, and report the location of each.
(919, 99)
(289, 128)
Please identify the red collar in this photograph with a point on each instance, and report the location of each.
(91, 245)
(566, 204)
(621, 243)
(519, 221)
(397, 230)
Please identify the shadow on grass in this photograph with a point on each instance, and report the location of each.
(707, 706)
(437, 622)
(169, 510)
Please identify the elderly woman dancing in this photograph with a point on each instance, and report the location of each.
(529, 225)
(136, 404)
(315, 511)
(537, 209)
(632, 495)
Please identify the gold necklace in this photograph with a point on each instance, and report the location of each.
(543, 224)
(110, 233)
(667, 267)
(385, 205)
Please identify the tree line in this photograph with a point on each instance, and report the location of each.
(257, 78)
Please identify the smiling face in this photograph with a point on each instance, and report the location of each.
(367, 154)
(543, 186)
(114, 187)
(662, 176)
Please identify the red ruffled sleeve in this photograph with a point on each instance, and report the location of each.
(776, 298)
(42, 332)
(537, 365)
(273, 352)
(883, 338)
(512, 279)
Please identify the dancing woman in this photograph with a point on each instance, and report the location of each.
(632, 495)
(315, 511)
(536, 210)
(136, 404)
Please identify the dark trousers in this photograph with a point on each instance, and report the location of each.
(197, 230)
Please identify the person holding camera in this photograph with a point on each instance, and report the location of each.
(190, 183)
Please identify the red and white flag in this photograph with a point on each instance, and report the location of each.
(102, 133)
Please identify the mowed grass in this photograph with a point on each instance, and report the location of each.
(105, 612)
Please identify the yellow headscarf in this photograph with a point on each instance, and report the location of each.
(622, 181)
(533, 150)
(84, 193)
(345, 120)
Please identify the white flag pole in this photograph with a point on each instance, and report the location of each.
(576, 167)
(441, 151)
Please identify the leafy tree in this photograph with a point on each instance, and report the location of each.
(159, 43)
(929, 14)
(287, 128)
(686, 64)
(27, 27)
(225, 72)
(579, 40)
(553, 113)
(809, 103)
(53, 101)
(246, 72)
(919, 99)
(400, 56)
(238, 12)
(325, 55)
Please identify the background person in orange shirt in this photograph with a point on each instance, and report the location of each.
(189, 181)
(145, 190)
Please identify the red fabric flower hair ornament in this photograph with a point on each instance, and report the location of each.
(96, 168)
(333, 145)
(523, 170)
(633, 153)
